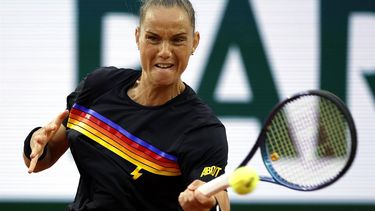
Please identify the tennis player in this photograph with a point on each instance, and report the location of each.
(141, 140)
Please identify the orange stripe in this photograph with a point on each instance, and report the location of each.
(119, 141)
(120, 147)
(121, 136)
(120, 153)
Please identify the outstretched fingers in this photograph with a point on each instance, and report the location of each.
(37, 144)
(54, 125)
(41, 137)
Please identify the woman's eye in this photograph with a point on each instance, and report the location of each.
(179, 40)
(152, 38)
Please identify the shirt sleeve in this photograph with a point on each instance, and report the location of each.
(72, 98)
(94, 84)
(204, 153)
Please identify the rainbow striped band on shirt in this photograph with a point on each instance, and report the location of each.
(116, 139)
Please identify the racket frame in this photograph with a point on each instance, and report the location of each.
(222, 182)
(260, 142)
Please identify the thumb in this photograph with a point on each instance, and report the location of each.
(60, 118)
(195, 184)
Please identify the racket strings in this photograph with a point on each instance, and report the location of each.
(307, 142)
(333, 143)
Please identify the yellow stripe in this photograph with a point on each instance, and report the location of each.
(117, 151)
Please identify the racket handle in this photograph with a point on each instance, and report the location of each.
(214, 186)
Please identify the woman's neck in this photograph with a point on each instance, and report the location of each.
(146, 94)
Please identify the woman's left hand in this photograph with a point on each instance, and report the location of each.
(192, 200)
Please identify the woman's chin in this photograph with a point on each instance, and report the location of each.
(164, 77)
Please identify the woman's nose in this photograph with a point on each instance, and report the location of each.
(165, 50)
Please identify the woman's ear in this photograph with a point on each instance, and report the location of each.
(196, 39)
(137, 34)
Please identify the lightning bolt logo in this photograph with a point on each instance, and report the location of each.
(136, 174)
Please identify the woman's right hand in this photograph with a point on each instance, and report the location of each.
(41, 137)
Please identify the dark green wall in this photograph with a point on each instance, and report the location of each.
(51, 206)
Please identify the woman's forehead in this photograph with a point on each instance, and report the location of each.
(159, 16)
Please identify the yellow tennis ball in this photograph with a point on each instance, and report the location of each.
(244, 180)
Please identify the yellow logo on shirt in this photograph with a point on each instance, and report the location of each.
(136, 174)
(211, 170)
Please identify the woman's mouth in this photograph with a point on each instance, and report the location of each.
(164, 65)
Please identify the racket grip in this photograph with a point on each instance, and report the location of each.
(214, 186)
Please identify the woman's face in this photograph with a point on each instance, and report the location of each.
(165, 40)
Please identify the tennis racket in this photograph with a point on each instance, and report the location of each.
(307, 142)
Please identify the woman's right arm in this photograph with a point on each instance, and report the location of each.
(51, 138)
